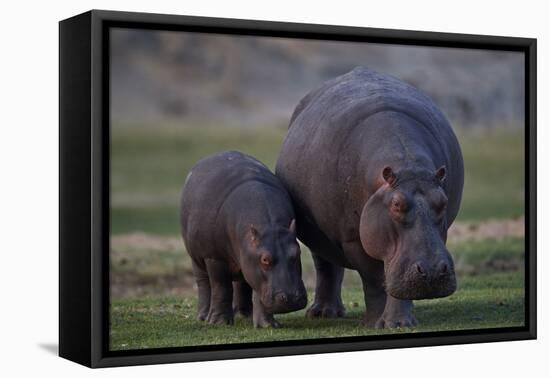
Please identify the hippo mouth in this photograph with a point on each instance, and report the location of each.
(422, 288)
(282, 303)
(412, 286)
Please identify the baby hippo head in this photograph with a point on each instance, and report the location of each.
(271, 265)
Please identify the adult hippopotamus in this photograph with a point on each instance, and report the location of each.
(376, 175)
(238, 224)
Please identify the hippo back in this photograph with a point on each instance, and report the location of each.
(344, 102)
(318, 156)
(210, 183)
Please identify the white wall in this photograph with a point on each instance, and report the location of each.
(28, 210)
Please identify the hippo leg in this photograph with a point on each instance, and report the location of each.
(372, 276)
(203, 285)
(328, 300)
(242, 298)
(260, 317)
(383, 311)
(221, 298)
(375, 302)
(398, 313)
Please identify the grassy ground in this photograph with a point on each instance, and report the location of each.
(494, 300)
(490, 294)
(153, 298)
(494, 174)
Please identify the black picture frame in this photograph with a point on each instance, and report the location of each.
(84, 187)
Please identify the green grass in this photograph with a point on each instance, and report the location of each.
(495, 300)
(479, 257)
(149, 166)
(494, 174)
(490, 294)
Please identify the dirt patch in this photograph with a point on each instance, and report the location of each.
(459, 232)
(133, 285)
(144, 264)
(141, 241)
(496, 229)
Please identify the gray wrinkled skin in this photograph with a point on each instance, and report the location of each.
(238, 226)
(376, 176)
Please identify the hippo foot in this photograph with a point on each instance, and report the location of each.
(261, 318)
(325, 310)
(266, 322)
(220, 318)
(202, 315)
(396, 321)
(243, 312)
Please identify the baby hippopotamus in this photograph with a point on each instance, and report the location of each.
(238, 224)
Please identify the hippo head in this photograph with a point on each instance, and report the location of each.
(404, 224)
(271, 265)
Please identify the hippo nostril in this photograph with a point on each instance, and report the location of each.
(443, 268)
(420, 269)
(282, 297)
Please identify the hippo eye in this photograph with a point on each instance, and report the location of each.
(398, 206)
(266, 261)
(440, 208)
(440, 204)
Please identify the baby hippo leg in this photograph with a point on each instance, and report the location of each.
(260, 317)
(221, 297)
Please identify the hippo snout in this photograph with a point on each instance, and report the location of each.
(289, 301)
(439, 270)
(424, 280)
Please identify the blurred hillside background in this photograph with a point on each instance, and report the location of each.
(184, 78)
(178, 97)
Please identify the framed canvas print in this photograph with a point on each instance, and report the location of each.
(234, 188)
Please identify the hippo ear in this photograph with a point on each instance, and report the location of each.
(292, 226)
(389, 175)
(441, 174)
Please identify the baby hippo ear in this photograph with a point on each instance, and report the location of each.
(441, 174)
(292, 226)
(389, 175)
